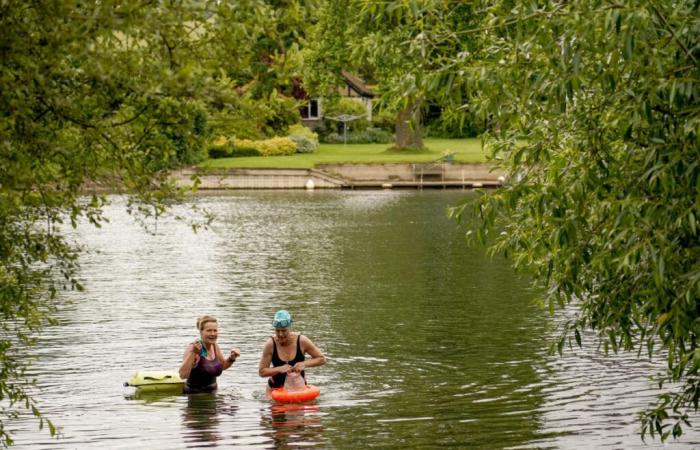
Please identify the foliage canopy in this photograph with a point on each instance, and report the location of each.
(594, 113)
(95, 96)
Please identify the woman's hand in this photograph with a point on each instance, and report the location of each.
(298, 367)
(284, 369)
(235, 353)
(190, 359)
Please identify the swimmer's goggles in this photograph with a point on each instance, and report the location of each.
(281, 323)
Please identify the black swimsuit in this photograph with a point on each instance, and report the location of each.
(277, 380)
(203, 376)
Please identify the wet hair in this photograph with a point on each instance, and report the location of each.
(203, 321)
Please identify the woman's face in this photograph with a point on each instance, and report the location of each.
(209, 333)
(282, 334)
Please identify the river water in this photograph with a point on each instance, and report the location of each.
(430, 343)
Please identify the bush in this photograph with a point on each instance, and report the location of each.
(301, 130)
(244, 151)
(224, 147)
(217, 152)
(227, 151)
(368, 136)
(306, 140)
(304, 144)
(332, 138)
(385, 120)
(277, 146)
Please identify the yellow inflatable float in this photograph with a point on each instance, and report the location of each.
(156, 381)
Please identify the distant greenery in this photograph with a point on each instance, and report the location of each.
(465, 150)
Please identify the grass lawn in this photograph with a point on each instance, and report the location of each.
(465, 150)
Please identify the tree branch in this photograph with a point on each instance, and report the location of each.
(673, 33)
(511, 22)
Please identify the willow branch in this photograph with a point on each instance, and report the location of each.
(673, 33)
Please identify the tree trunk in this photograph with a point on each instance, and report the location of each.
(408, 126)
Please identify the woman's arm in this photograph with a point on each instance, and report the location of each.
(317, 356)
(264, 369)
(188, 361)
(230, 359)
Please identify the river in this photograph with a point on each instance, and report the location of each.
(429, 343)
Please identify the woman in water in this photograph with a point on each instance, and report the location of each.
(203, 360)
(286, 352)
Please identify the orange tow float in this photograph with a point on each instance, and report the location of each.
(282, 395)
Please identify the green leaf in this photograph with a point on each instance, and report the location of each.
(691, 223)
(629, 46)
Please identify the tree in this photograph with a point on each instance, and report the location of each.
(94, 95)
(255, 46)
(594, 114)
(109, 96)
(399, 44)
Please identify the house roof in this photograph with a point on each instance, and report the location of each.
(357, 84)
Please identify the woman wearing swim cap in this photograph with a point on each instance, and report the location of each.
(286, 351)
(204, 360)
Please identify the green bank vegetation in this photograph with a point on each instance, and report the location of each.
(464, 150)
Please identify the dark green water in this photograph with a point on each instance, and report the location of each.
(430, 344)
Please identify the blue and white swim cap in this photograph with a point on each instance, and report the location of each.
(282, 319)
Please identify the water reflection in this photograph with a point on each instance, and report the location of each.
(293, 425)
(201, 418)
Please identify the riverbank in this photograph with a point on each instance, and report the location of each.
(441, 175)
(469, 150)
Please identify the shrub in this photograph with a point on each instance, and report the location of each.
(332, 138)
(376, 136)
(304, 144)
(368, 136)
(306, 139)
(277, 146)
(229, 151)
(301, 130)
(244, 151)
(217, 152)
(384, 119)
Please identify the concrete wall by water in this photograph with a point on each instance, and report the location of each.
(412, 172)
(329, 176)
(255, 179)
